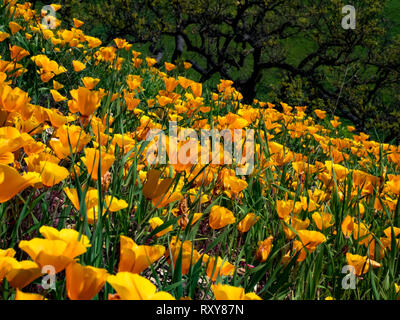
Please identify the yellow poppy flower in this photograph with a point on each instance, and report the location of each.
(56, 7)
(156, 222)
(14, 27)
(4, 36)
(92, 161)
(47, 65)
(10, 252)
(131, 286)
(285, 208)
(6, 264)
(294, 223)
(111, 204)
(189, 255)
(169, 66)
(320, 113)
(28, 296)
(150, 61)
(84, 282)
(197, 88)
(47, 252)
(23, 273)
(247, 222)
(78, 66)
(76, 244)
(57, 96)
(335, 123)
(220, 217)
(90, 82)
(309, 240)
(77, 23)
(361, 264)
(264, 249)
(52, 174)
(347, 226)
(170, 84)
(323, 220)
(394, 183)
(11, 182)
(187, 65)
(13, 99)
(17, 53)
(157, 190)
(84, 101)
(163, 100)
(135, 258)
(69, 136)
(340, 171)
(218, 267)
(227, 292)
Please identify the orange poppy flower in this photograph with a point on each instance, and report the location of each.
(136, 258)
(84, 101)
(220, 217)
(17, 53)
(169, 66)
(216, 267)
(264, 249)
(360, 264)
(84, 282)
(78, 66)
(247, 222)
(227, 292)
(14, 27)
(11, 182)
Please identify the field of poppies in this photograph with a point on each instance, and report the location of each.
(302, 208)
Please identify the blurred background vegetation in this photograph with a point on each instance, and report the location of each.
(294, 51)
